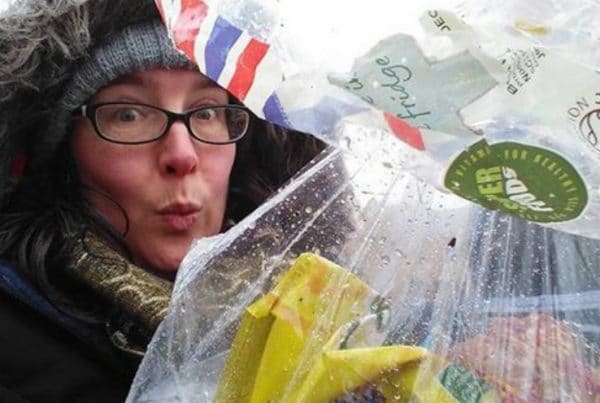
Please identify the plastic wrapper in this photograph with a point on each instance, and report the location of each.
(423, 295)
(313, 337)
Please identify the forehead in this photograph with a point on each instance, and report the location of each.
(159, 79)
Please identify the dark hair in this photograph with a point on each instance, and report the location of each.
(266, 158)
(43, 217)
(48, 211)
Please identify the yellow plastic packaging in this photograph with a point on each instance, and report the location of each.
(306, 341)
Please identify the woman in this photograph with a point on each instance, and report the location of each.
(131, 154)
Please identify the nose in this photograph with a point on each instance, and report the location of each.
(178, 155)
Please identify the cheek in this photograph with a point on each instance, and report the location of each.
(116, 173)
(101, 163)
(216, 172)
(105, 170)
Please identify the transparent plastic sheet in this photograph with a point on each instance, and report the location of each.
(515, 304)
(471, 305)
(500, 98)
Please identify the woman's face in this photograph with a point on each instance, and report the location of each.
(173, 189)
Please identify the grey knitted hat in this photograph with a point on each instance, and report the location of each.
(141, 47)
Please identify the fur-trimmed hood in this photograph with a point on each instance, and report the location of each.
(40, 44)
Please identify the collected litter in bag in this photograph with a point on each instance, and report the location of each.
(506, 108)
(315, 332)
(418, 295)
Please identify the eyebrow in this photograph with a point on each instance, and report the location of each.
(134, 79)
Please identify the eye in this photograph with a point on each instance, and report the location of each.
(204, 114)
(127, 115)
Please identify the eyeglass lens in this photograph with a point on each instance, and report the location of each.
(138, 123)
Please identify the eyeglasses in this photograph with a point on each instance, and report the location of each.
(134, 123)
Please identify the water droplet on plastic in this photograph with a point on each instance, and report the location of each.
(385, 259)
(308, 210)
(348, 142)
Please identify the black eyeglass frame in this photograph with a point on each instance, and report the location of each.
(89, 111)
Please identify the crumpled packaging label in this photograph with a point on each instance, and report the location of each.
(316, 338)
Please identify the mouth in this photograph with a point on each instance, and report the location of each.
(180, 217)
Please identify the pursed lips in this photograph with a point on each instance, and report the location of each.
(180, 216)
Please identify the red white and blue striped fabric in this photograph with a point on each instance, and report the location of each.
(226, 54)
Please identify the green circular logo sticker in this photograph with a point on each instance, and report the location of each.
(531, 182)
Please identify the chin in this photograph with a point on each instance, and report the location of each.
(161, 256)
(163, 266)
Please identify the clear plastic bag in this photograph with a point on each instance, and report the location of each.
(448, 301)
(489, 297)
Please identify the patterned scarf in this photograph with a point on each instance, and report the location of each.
(140, 297)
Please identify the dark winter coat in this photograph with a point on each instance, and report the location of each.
(46, 356)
